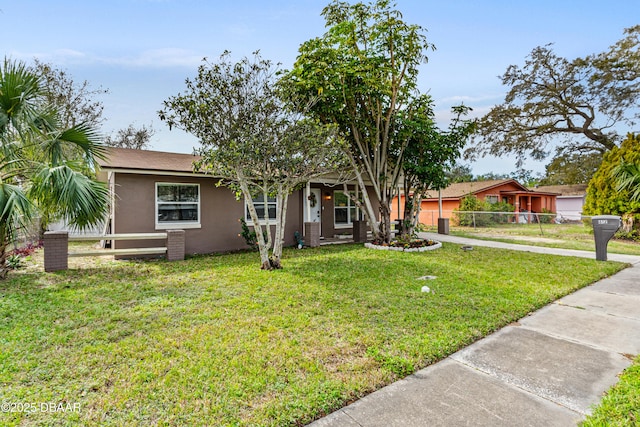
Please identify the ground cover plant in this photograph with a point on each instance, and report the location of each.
(621, 405)
(214, 341)
(565, 236)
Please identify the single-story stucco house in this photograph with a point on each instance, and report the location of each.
(155, 191)
(569, 201)
(493, 191)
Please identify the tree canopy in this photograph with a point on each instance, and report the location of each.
(37, 174)
(131, 137)
(577, 104)
(430, 153)
(363, 73)
(75, 102)
(252, 139)
(571, 168)
(604, 197)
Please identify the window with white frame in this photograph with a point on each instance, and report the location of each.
(344, 209)
(258, 203)
(177, 205)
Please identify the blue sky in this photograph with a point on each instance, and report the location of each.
(142, 50)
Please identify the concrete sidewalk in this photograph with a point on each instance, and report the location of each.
(548, 369)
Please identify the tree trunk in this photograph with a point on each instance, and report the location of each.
(263, 247)
(368, 208)
(4, 270)
(281, 215)
(412, 206)
(385, 216)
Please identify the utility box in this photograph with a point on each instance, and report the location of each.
(443, 225)
(604, 227)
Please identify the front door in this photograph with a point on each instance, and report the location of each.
(315, 207)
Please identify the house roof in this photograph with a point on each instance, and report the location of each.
(461, 189)
(564, 190)
(147, 160)
(128, 160)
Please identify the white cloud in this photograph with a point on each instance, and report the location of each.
(154, 58)
(158, 58)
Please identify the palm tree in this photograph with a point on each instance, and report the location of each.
(43, 167)
(627, 176)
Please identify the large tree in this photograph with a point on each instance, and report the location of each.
(363, 72)
(571, 168)
(252, 139)
(429, 155)
(131, 137)
(76, 102)
(574, 104)
(36, 175)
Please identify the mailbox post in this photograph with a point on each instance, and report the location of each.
(604, 227)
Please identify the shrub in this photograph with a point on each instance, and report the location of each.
(14, 262)
(248, 235)
(546, 219)
(602, 197)
(472, 204)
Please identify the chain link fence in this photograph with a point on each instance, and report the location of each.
(489, 218)
(27, 234)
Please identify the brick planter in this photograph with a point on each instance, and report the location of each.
(56, 248)
(312, 234)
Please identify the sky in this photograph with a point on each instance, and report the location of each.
(143, 50)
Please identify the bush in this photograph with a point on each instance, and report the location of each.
(633, 235)
(473, 204)
(546, 219)
(602, 197)
(248, 235)
(14, 262)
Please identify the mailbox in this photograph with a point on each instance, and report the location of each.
(604, 227)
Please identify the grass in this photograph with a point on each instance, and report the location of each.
(214, 340)
(621, 405)
(565, 236)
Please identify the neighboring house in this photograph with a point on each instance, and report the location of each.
(502, 190)
(154, 191)
(569, 201)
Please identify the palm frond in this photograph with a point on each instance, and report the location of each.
(61, 144)
(20, 96)
(15, 210)
(627, 176)
(62, 190)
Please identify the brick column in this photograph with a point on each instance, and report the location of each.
(175, 245)
(56, 250)
(312, 234)
(359, 231)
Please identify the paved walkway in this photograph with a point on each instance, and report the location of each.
(548, 369)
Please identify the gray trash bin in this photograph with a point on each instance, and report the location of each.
(604, 227)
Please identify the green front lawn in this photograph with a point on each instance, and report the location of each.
(621, 405)
(214, 340)
(565, 236)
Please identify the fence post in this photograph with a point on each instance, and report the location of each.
(175, 245)
(56, 250)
